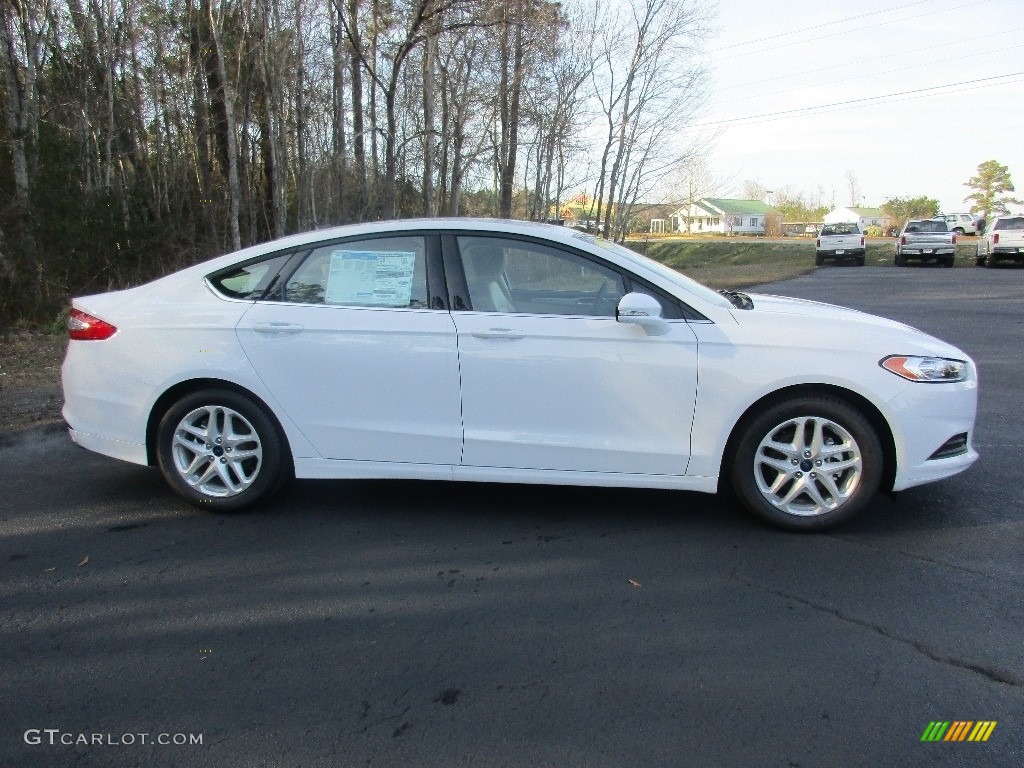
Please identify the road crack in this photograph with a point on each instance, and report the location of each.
(994, 674)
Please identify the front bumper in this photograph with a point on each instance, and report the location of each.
(925, 418)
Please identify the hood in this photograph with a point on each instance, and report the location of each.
(805, 308)
(842, 325)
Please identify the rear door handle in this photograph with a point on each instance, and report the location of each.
(278, 328)
(499, 333)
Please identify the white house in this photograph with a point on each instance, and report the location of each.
(721, 215)
(865, 217)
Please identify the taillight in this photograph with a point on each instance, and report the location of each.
(862, 241)
(903, 239)
(85, 327)
(995, 239)
(954, 238)
(817, 243)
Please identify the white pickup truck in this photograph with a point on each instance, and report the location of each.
(1003, 241)
(926, 240)
(841, 242)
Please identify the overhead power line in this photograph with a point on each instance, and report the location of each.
(909, 52)
(871, 74)
(846, 32)
(820, 107)
(819, 26)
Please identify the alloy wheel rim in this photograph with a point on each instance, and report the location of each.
(217, 451)
(807, 466)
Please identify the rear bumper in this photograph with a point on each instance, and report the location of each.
(108, 446)
(843, 253)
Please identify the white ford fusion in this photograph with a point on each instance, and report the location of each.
(458, 349)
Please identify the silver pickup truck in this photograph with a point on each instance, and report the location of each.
(926, 240)
(841, 242)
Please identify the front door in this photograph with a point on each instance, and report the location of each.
(550, 379)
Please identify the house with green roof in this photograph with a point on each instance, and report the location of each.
(723, 216)
(865, 217)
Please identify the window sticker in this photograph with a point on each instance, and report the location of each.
(371, 278)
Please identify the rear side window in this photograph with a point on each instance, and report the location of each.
(383, 272)
(251, 280)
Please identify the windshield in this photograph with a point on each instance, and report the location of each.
(676, 278)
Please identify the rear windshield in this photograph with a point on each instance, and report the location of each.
(840, 229)
(927, 226)
(1017, 222)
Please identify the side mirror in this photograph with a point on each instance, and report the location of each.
(643, 310)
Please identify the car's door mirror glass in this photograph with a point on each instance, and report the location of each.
(643, 310)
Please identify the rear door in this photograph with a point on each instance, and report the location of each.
(361, 353)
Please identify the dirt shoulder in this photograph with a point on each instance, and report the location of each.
(30, 391)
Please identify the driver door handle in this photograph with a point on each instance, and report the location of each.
(499, 333)
(278, 328)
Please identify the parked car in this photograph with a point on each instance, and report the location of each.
(1003, 241)
(925, 240)
(840, 242)
(964, 223)
(499, 351)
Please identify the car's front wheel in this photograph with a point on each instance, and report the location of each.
(220, 450)
(807, 463)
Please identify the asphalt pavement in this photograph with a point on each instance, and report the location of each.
(436, 624)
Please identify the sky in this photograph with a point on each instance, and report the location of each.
(947, 59)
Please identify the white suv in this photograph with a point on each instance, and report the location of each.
(963, 223)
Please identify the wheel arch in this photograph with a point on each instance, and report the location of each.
(851, 398)
(187, 387)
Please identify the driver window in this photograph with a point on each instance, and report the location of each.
(507, 275)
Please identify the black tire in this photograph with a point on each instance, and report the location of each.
(750, 471)
(979, 261)
(990, 260)
(859, 261)
(900, 260)
(948, 261)
(958, 231)
(818, 259)
(238, 424)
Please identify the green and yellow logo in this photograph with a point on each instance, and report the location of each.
(958, 730)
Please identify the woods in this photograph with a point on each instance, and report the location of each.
(139, 136)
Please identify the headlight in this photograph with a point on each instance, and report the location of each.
(927, 369)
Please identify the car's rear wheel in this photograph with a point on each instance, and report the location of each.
(900, 260)
(808, 463)
(220, 450)
(859, 261)
(990, 260)
(818, 259)
(948, 261)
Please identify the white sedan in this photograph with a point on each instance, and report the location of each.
(502, 351)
